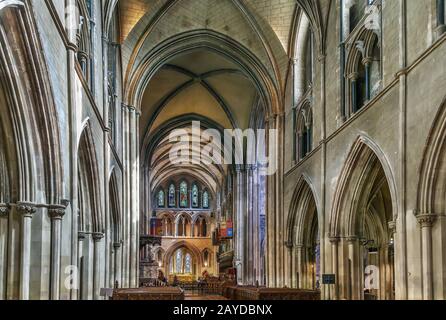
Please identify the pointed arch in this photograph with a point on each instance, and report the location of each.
(363, 162)
(304, 197)
(431, 197)
(28, 110)
(89, 183)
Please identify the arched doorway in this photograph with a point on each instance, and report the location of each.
(90, 221)
(304, 239)
(362, 227)
(431, 209)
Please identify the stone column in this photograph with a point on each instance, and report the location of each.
(290, 276)
(426, 222)
(353, 270)
(133, 168)
(4, 213)
(300, 266)
(97, 238)
(353, 92)
(117, 276)
(240, 228)
(56, 214)
(334, 266)
(367, 63)
(26, 210)
(81, 236)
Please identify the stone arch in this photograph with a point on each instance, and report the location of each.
(89, 183)
(30, 112)
(212, 41)
(362, 223)
(360, 155)
(432, 174)
(183, 244)
(431, 208)
(183, 225)
(303, 235)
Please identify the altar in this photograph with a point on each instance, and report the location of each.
(182, 278)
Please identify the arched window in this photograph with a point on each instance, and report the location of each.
(161, 199)
(309, 62)
(188, 264)
(359, 87)
(179, 262)
(441, 13)
(172, 200)
(195, 203)
(112, 67)
(357, 11)
(304, 131)
(184, 202)
(205, 199)
(375, 69)
(85, 40)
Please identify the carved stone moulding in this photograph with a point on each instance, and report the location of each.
(56, 212)
(11, 3)
(426, 220)
(4, 210)
(26, 209)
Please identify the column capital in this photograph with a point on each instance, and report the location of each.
(353, 76)
(81, 236)
(351, 239)
(367, 61)
(117, 245)
(289, 244)
(98, 236)
(56, 212)
(334, 240)
(26, 209)
(239, 168)
(4, 210)
(426, 220)
(392, 226)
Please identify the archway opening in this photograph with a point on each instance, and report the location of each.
(304, 240)
(365, 226)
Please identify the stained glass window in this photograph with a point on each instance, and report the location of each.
(183, 195)
(161, 199)
(195, 203)
(171, 265)
(172, 196)
(188, 264)
(205, 200)
(179, 262)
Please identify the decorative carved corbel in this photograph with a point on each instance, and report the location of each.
(26, 209)
(4, 210)
(426, 220)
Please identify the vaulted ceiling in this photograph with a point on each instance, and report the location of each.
(202, 82)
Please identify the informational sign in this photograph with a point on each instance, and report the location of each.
(328, 279)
